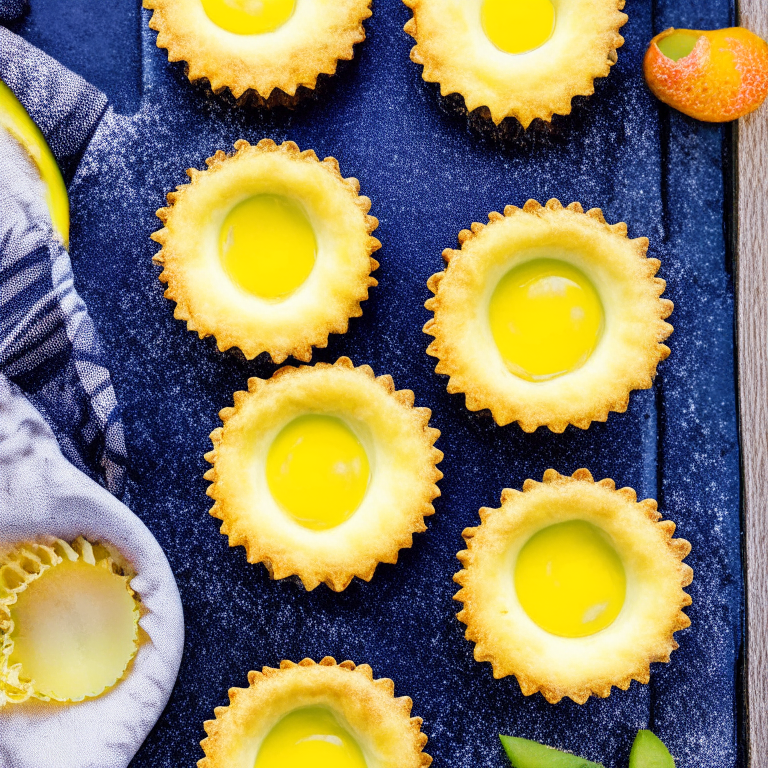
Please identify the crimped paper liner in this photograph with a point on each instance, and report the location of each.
(400, 495)
(208, 300)
(22, 565)
(381, 723)
(629, 350)
(577, 668)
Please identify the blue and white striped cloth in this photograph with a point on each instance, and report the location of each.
(50, 350)
(49, 346)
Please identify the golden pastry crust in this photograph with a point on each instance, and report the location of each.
(207, 298)
(317, 36)
(578, 668)
(20, 565)
(630, 347)
(382, 725)
(456, 53)
(400, 446)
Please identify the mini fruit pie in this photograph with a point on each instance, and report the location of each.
(268, 250)
(548, 316)
(323, 471)
(263, 51)
(324, 715)
(573, 586)
(523, 59)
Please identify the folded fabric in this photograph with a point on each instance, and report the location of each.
(48, 343)
(42, 494)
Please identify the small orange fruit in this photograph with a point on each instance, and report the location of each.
(716, 75)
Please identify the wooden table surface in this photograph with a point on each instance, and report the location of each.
(752, 324)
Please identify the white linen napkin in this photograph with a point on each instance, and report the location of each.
(42, 494)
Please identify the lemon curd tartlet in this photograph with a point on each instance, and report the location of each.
(548, 316)
(68, 621)
(269, 250)
(323, 472)
(326, 715)
(262, 51)
(573, 587)
(524, 59)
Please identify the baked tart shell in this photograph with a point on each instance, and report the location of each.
(266, 69)
(576, 668)
(380, 721)
(629, 350)
(213, 305)
(455, 52)
(400, 496)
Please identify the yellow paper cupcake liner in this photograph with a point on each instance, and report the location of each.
(20, 566)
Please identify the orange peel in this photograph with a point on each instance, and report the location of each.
(722, 78)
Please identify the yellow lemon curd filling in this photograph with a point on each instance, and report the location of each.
(75, 630)
(570, 580)
(546, 319)
(678, 45)
(518, 26)
(311, 736)
(267, 246)
(249, 17)
(318, 471)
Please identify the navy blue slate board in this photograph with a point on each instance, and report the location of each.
(428, 176)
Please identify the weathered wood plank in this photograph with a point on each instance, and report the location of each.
(752, 319)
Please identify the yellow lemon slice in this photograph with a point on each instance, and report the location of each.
(15, 120)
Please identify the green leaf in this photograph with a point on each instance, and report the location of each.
(648, 751)
(523, 753)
